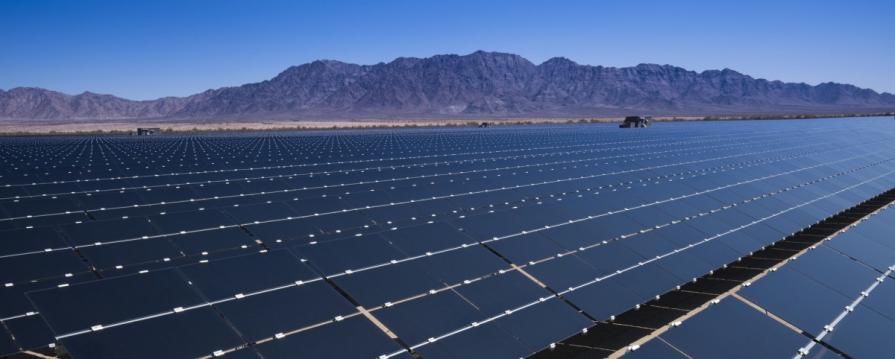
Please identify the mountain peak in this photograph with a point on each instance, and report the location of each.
(329, 63)
(483, 53)
(656, 67)
(559, 61)
(502, 57)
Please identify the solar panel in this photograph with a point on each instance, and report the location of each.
(487, 340)
(263, 316)
(656, 349)
(374, 288)
(21, 269)
(746, 334)
(31, 332)
(354, 337)
(7, 345)
(419, 239)
(102, 303)
(832, 300)
(862, 335)
(31, 240)
(130, 252)
(230, 277)
(430, 242)
(824, 301)
(193, 333)
(606, 298)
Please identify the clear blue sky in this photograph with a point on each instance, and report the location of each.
(146, 49)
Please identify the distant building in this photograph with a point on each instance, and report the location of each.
(635, 122)
(148, 131)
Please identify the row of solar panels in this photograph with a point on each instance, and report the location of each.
(273, 178)
(168, 199)
(197, 224)
(130, 221)
(521, 246)
(61, 159)
(837, 300)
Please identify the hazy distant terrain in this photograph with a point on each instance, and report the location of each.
(478, 85)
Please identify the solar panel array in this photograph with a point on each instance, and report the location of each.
(833, 301)
(438, 243)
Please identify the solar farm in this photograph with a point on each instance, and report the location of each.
(739, 239)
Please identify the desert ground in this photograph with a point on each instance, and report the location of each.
(19, 127)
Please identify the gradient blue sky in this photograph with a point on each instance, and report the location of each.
(147, 49)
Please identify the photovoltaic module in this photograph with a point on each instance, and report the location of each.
(438, 243)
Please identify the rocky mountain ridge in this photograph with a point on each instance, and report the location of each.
(478, 85)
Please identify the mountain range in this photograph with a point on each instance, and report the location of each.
(477, 85)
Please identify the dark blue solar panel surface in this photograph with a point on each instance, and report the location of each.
(658, 348)
(834, 300)
(730, 329)
(194, 333)
(458, 242)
